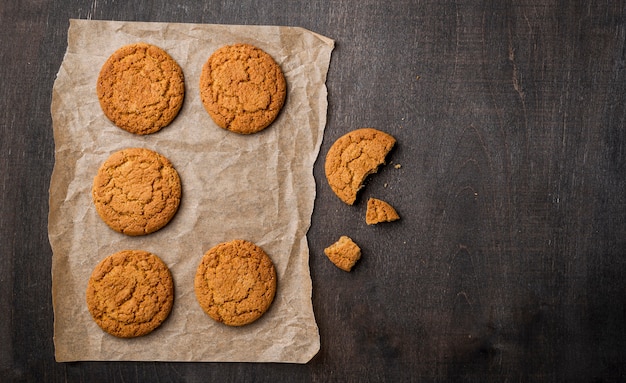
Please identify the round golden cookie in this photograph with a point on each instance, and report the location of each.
(130, 293)
(353, 157)
(235, 282)
(137, 191)
(242, 88)
(141, 88)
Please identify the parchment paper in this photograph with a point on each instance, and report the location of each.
(258, 187)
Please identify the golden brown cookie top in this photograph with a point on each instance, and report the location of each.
(130, 293)
(242, 88)
(235, 282)
(353, 157)
(136, 191)
(141, 88)
(379, 211)
(344, 253)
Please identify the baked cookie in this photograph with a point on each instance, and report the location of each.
(344, 253)
(141, 88)
(379, 211)
(242, 88)
(130, 293)
(136, 191)
(235, 282)
(353, 157)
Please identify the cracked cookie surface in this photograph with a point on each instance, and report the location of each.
(380, 211)
(137, 191)
(141, 88)
(130, 293)
(353, 157)
(242, 88)
(235, 282)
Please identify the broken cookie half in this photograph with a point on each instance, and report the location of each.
(353, 157)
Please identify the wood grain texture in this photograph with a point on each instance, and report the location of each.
(508, 262)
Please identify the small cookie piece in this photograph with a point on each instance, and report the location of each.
(141, 88)
(379, 211)
(130, 293)
(235, 282)
(353, 157)
(242, 88)
(344, 253)
(136, 191)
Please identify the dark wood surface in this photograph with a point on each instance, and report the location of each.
(510, 258)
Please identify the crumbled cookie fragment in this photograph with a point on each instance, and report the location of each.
(344, 253)
(379, 211)
(353, 157)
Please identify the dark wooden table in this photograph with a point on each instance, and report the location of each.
(509, 262)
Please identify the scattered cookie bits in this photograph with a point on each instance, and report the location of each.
(353, 157)
(141, 88)
(344, 253)
(136, 191)
(379, 211)
(130, 293)
(242, 88)
(235, 282)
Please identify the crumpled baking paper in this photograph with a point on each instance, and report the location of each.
(257, 187)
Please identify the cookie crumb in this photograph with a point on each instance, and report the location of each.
(380, 211)
(397, 166)
(344, 253)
